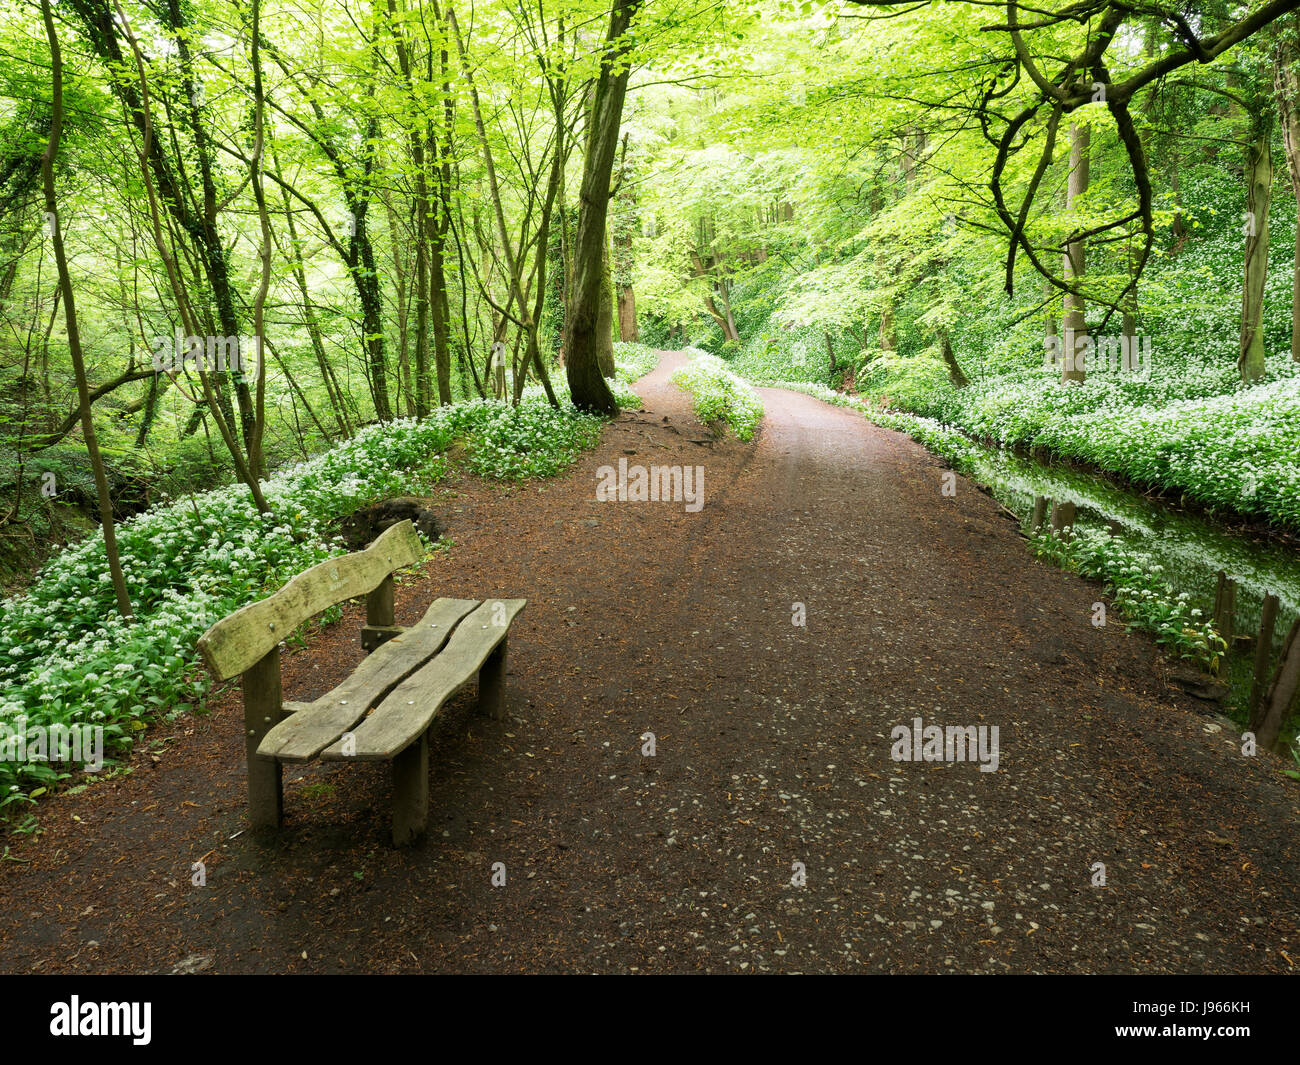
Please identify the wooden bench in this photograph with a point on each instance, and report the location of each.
(382, 712)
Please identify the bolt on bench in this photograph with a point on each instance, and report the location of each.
(382, 712)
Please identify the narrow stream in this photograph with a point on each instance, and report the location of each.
(1191, 549)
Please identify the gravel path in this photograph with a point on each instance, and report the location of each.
(771, 830)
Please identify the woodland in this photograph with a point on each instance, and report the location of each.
(264, 263)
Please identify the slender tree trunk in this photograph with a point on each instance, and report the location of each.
(724, 290)
(514, 262)
(566, 276)
(1073, 323)
(142, 116)
(421, 293)
(955, 374)
(256, 461)
(440, 152)
(623, 245)
(372, 311)
(533, 353)
(417, 140)
(605, 318)
(722, 316)
(1287, 85)
(627, 328)
(328, 379)
(1259, 191)
(70, 318)
(441, 307)
(405, 389)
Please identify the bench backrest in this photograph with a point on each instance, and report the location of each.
(241, 640)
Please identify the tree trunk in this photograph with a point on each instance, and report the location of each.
(332, 388)
(586, 382)
(955, 373)
(1287, 85)
(605, 319)
(418, 140)
(724, 290)
(1073, 323)
(441, 321)
(722, 317)
(623, 245)
(442, 147)
(70, 318)
(627, 330)
(405, 392)
(566, 277)
(1259, 191)
(532, 343)
(372, 312)
(421, 284)
(256, 462)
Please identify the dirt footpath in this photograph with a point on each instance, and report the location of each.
(771, 831)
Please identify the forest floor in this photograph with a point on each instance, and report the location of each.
(772, 748)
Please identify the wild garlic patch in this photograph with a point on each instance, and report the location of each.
(719, 394)
(66, 659)
(633, 361)
(1138, 588)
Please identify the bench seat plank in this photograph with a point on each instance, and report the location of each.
(405, 715)
(314, 726)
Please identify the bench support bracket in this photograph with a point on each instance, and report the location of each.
(372, 636)
(381, 616)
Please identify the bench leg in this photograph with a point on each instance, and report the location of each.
(411, 792)
(262, 710)
(265, 790)
(492, 684)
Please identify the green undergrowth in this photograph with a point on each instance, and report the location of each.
(67, 658)
(633, 361)
(718, 394)
(1137, 587)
